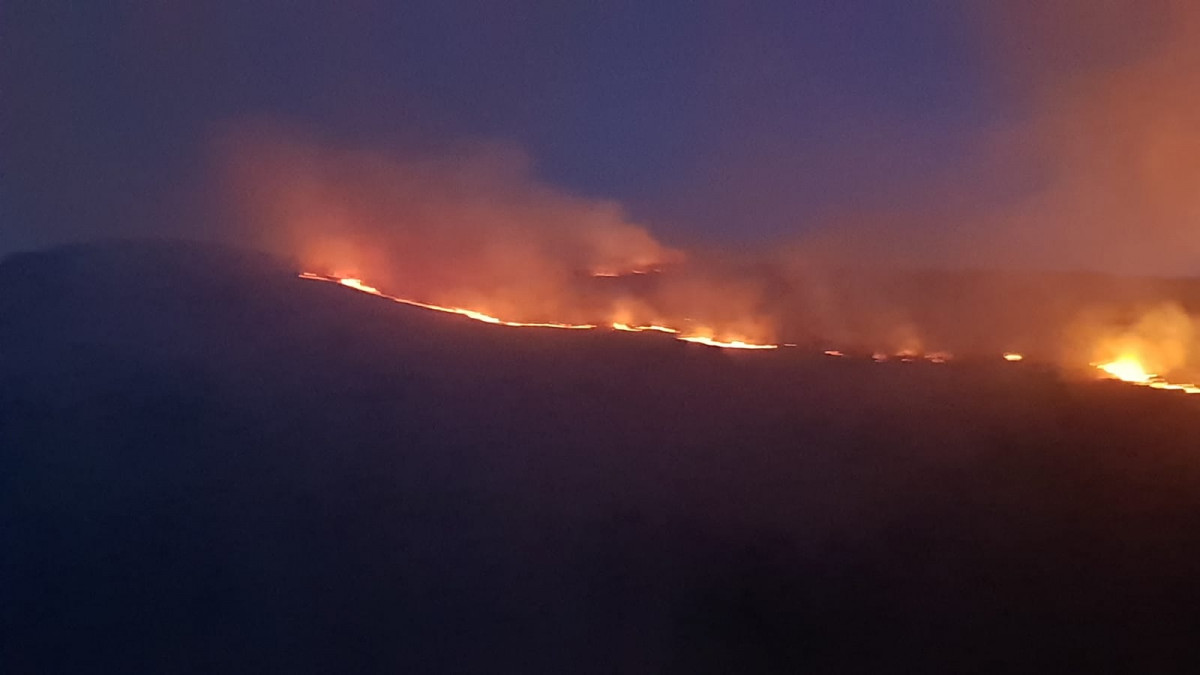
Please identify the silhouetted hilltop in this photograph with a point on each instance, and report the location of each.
(209, 465)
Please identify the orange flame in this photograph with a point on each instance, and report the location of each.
(617, 325)
(358, 285)
(1129, 369)
(1149, 350)
(704, 339)
(732, 344)
(1126, 369)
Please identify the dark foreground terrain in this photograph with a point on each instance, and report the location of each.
(207, 465)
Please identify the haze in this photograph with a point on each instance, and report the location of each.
(1005, 133)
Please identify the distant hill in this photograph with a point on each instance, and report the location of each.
(209, 465)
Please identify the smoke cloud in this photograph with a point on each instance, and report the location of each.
(1116, 126)
(1098, 149)
(465, 227)
(473, 228)
(1092, 165)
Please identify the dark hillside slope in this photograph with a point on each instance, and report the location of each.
(208, 465)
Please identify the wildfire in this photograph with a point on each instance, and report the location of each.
(358, 285)
(1130, 369)
(617, 325)
(732, 344)
(704, 339)
(1126, 368)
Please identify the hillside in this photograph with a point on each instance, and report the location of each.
(209, 465)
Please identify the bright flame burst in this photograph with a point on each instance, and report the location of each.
(1127, 370)
(1130, 369)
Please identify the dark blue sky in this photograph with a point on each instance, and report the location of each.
(727, 121)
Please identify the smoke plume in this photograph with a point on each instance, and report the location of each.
(470, 227)
(1101, 144)
(473, 228)
(1092, 164)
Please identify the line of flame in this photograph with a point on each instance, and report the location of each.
(641, 329)
(879, 357)
(733, 344)
(359, 285)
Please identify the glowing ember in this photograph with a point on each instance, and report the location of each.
(833, 352)
(611, 273)
(1130, 369)
(640, 329)
(1013, 357)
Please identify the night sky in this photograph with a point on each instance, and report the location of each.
(1020, 132)
(709, 120)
